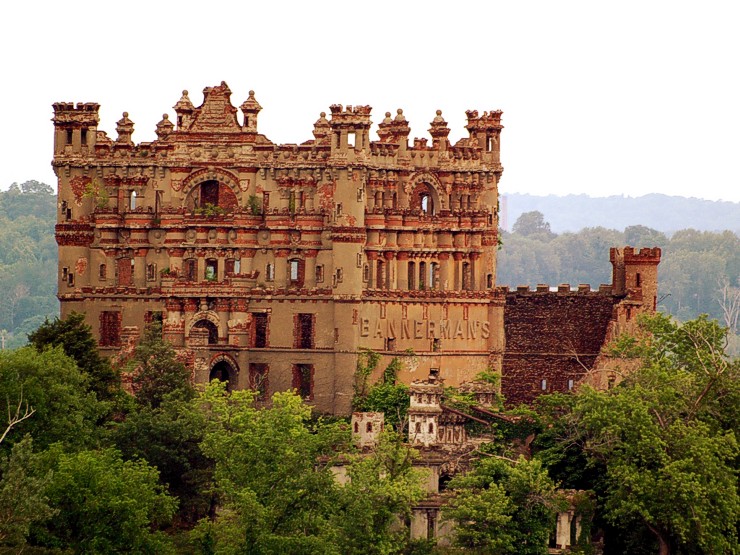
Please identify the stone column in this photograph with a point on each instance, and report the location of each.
(390, 271)
(372, 257)
(309, 271)
(281, 268)
(402, 270)
(457, 256)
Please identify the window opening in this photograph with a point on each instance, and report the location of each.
(102, 271)
(305, 331)
(212, 331)
(132, 200)
(412, 275)
(270, 272)
(229, 264)
(259, 325)
(303, 380)
(223, 372)
(422, 275)
(110, 328)
(151, 272)
(466, 285)
(319, 273)
(258, 379)
(125, 271)
(191, 269)
(211, 269)
(543, 385)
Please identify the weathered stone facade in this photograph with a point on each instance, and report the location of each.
(272, 266)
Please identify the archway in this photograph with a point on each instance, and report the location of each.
(210, 327)
(223, 370)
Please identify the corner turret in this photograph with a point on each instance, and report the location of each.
(636, 273)
(75, 127)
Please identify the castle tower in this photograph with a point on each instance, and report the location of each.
(425, 410)
(367, 427)
(75, 127)
(636, 272)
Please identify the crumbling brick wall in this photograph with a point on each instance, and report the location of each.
(551, 336)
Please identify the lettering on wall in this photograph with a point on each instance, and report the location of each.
(425, 329)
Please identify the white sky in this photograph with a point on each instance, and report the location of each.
(628, 97)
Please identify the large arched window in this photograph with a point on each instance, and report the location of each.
(212, 196)
(423, 199)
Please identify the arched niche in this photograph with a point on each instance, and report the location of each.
(208, 325)
(225, 369)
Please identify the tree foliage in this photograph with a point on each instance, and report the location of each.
(504, 507)
(104, 504)
(23, 501)
(52, 384)
(76, 339)
(157, 374)
(665, 438)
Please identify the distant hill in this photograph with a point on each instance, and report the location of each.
(662, 212)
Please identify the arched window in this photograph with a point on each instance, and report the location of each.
(369, 427)
(427, 204)
(412, 275)
(422, 275)
(132, 200)
(212, 330)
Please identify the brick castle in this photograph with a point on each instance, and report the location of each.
(272, 266)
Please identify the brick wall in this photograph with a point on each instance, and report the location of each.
(553, 337)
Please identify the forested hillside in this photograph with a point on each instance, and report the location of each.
(662, 212)
(28, 259)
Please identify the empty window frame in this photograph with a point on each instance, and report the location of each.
(304, 331)
(259, 379)
(303, 380)
(260, 330)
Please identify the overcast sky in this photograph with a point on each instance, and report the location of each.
(617, 98)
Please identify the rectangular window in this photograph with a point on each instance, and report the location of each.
(270, 272)
(211, 270)
(259, 330)
(258, 379)
(303, 380)
(229, 266)
(320, 274)
(110, 328)
(303, 336)
(69, 136)
(293, 270)
(191, 269)
(153, 316)
(102, 271)
(70, 279)
(151, 272)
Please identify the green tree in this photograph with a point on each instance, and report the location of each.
(168, 437)
(104, 504)
(52, 385)
(157, 374)
(273, 470)
(76, 339)
(666, 437)
(504, 507)
(382, 487)
(533, 223)
(22, 498)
